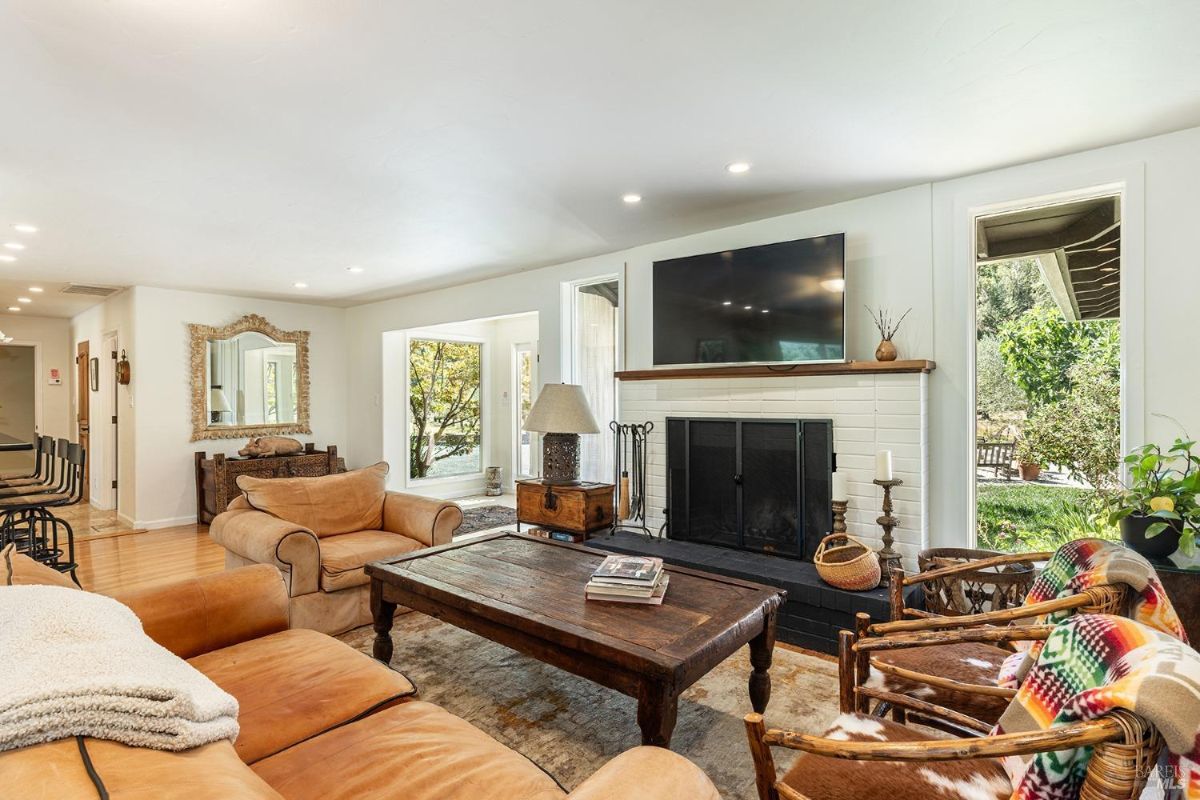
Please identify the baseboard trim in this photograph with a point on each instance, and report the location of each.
(155, 524)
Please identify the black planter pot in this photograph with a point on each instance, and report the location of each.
(1133, 533)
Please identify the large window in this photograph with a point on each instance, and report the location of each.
(1047, 373)
(445, 418)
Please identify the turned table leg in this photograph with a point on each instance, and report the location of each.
(382, 613)
(657, 709)
(761, 649)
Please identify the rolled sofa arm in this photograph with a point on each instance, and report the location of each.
(647, 773)
(266, 539)
(431, 522)
(204, 614)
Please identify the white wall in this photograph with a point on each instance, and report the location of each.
(506, 333)
(114, 315)
(1160, 287)
(888, 262)
(53, 340)
(156, 451)
(905, 248)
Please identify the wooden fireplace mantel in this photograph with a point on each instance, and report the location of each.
(780, 371)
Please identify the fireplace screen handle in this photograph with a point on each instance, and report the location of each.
(737, 479)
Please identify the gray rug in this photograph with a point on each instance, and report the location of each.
(571, 727)
(480, 518)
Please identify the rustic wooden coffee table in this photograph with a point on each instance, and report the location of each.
(528, 594)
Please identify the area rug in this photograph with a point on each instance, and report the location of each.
(571, 727)
(480, 518)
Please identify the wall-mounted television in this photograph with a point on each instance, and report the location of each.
(782, 302)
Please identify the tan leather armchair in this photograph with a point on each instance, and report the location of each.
(320, 532)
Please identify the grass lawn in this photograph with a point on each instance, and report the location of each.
(1029, 516)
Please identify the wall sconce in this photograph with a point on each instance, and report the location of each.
(123, 370)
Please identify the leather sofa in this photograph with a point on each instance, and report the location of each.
(320, 532)
(318, 720)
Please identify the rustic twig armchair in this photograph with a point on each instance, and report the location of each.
(952, 683)
(1126, 748)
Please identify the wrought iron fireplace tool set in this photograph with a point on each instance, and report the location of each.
(630, 449)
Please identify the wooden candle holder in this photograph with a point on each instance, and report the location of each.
(889, 559)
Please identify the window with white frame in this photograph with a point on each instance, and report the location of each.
(445, 384)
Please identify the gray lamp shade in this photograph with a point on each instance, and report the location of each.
(561, 408)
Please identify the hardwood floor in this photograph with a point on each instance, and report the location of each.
(91, 523)
(135, 560)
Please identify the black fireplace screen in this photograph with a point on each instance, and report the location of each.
(751, 484)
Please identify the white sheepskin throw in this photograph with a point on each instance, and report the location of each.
(79, 664)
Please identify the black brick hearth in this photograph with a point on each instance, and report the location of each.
(814, 611)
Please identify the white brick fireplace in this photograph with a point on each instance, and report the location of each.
(870, 412)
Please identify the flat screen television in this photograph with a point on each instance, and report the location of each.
(782, 302)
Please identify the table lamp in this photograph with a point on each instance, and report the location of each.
(218, 403)
(561, 413)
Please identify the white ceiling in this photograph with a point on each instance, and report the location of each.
(50, 302)
(241, 146)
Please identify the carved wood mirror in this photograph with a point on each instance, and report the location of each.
(249, 378)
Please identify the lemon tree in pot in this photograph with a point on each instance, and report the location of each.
(1158, 510)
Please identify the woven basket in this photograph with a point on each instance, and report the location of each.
(850, 565)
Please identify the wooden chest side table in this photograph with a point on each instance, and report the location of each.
(583, 508)
(216, 477)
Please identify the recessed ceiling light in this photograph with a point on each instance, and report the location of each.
(23, 228)
(727, 303)
(834, 285)
(354, 270)
(6, 257)
(1109, 269)
(24, 300)
(748, 308)
(738, 167)
(36, 289)
(14, 245)
(299, 285)
(14, 308)
(766, 311)
(631, 198)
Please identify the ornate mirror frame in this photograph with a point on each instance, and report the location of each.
(200, 335)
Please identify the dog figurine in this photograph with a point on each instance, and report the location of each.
(264, 446)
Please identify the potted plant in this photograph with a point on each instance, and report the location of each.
(1029, 452)
(1158, 510)
(1028, 465)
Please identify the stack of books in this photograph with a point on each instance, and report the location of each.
(629, 579)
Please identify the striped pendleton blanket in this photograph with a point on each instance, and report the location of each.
(1090, 665)
(1083, 564)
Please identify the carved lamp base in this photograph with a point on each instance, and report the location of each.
(560, 459)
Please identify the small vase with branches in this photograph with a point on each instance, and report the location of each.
(887, 326)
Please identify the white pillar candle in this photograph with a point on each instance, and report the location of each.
(841, 488)
(883, 465)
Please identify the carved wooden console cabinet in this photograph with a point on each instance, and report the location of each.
(216, 477)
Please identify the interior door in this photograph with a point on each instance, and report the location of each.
(83, 390)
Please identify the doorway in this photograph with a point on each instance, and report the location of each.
(593, 311)
(1048, 371)
(18, 404)
(83, 406)
(524, 384)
